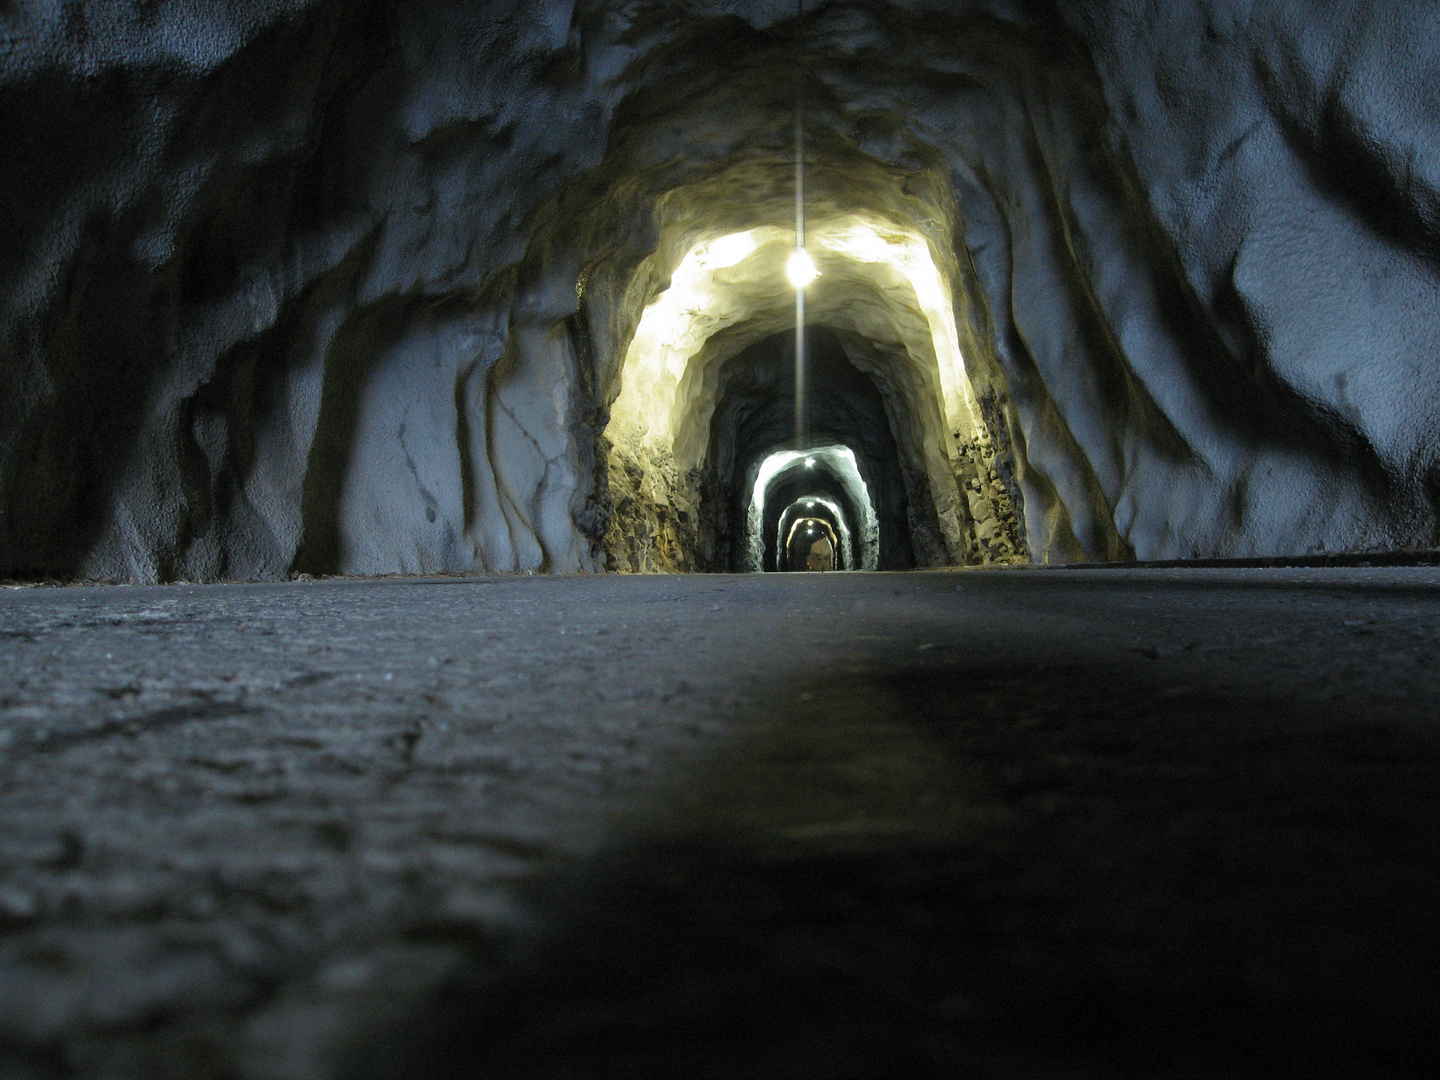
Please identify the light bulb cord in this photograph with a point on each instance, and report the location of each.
(802, 409)
(799, 165)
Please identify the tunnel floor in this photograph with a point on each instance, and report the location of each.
(1039, 823)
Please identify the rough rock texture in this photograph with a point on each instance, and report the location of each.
(1042, 823)
(330, 286)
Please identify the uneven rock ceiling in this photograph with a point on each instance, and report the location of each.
(379, 287)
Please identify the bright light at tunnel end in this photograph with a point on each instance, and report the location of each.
(800, 268)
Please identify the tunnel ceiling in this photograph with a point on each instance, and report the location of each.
(374, 287)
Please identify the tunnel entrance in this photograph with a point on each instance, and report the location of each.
(811, 544)
(809, 519)
(700, 450)
(824, 480)
(754, 476)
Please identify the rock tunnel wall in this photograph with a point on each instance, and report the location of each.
(346, 287)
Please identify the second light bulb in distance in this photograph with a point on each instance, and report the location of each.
(800, 268)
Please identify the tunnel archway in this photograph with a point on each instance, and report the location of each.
(816, 507)
(707, 389)
(809, 544)
(854, 456)
(783, 477)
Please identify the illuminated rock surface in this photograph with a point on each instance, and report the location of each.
(1041, 823)
(297, 288)
(350, 286)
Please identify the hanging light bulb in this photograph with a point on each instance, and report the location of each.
(800, 268)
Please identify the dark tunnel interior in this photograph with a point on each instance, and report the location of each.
(755, 417)
(419, 652)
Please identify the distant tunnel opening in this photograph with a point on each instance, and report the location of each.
(701, 447)
(807, 517)
(790, 483)
(754, 471)
(810, 544)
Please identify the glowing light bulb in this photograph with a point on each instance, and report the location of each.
(809, 463)
(800, 268)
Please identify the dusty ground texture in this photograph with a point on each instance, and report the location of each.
(1015, 823)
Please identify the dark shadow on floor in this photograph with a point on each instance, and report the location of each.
(970, 872)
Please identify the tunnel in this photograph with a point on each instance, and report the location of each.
(812, 506)
(470, 607)
(392, 317)
(710, 406)
(809, 543)
(828, 474)
(752, 467)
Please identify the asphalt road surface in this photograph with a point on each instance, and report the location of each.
(1023, 823)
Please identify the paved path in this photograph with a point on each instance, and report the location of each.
(1039, 823)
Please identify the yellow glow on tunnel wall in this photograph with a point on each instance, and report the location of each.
(703, 299)
(909, 253)
(672, 330)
